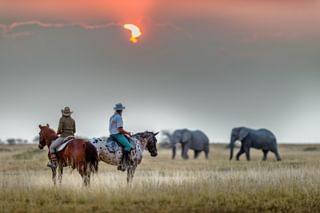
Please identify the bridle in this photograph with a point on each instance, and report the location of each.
(43, 141)
(150, 145)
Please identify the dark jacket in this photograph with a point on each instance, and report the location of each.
(67, 126)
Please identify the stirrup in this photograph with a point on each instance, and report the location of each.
(52, 164)
(123, 165)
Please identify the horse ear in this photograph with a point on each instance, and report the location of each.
(155, 134)
(40, 126)
(47, 125)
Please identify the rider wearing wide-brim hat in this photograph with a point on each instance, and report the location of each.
(118, 133)
(67, 127)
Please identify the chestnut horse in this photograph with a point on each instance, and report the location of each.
(78, 154)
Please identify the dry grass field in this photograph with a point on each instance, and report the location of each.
(163, 185)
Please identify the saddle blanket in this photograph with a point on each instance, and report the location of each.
(65, 143)
(112, 145)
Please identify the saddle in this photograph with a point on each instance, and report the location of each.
(65, 143)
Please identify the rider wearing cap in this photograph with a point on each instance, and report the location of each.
(67, 127)
(118, 133)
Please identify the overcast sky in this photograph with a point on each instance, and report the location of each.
(209, 65)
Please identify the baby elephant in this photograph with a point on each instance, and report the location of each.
(259, 139)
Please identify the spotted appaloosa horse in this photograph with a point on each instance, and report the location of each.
(78, 154)
(144, 140)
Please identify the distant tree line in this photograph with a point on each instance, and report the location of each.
(13, 141)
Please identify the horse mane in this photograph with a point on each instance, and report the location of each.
(51, 132)
(141, 134)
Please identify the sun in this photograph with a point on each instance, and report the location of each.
(135, 32)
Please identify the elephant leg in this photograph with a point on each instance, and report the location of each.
(206, 152)
(173, 152)
(241, 151)
(184, 152)
(247, 151)
(265, 152)
(196, 154)
(276, 153)
(186, 157)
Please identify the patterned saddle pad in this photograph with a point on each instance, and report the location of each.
(112, 145)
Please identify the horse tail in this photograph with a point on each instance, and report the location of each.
(91, 157)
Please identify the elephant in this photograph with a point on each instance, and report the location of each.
(255, 138)
(195, 140)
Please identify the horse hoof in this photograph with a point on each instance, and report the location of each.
(122, 168)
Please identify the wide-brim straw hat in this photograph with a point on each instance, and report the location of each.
(119, 106)
(66, 111)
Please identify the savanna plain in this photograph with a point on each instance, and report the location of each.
(164, 185)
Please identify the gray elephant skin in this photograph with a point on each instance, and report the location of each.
(251, 138)
(195, 140)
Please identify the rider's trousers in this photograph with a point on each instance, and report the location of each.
(123, 140)
(55, 144)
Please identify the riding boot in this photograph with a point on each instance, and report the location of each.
(124, 162)
(53, 161)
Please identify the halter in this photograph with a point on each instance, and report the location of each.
(144, 142)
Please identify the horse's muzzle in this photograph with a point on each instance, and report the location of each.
(40, 146)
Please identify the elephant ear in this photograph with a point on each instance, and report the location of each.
(243, 134)
(186, 136)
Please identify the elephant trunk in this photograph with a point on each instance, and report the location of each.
(231, 146)
(173, 151)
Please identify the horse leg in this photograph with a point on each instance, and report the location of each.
(84, 174)
(60, 172)
(87, 175)
(130, 173)
(54, 174)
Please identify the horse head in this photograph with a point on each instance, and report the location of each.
(151, 140)
(46, 135)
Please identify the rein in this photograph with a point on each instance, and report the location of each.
(49, 141)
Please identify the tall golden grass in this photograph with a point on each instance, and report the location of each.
(163, 185)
